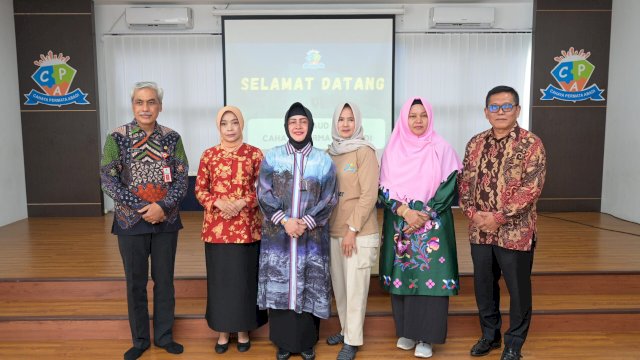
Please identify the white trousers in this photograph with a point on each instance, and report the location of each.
(350, 277)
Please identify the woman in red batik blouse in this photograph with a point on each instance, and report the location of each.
(225, 187)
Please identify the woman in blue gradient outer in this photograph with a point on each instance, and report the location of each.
(297, 192)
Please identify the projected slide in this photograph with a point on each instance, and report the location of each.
(271, 63)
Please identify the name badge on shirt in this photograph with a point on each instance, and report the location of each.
(166, 173)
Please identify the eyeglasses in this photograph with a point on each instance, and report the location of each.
(505, 107)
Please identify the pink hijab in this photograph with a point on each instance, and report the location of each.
(414, 167)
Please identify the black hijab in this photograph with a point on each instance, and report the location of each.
(299, 109)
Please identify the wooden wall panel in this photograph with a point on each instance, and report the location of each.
(71, 35)
(49, 6)
(572, 132)
(61, 143)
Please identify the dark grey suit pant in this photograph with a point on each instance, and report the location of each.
(136, 251)
(489, 263)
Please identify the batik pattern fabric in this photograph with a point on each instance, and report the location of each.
(294, 272)
(132, 173)
(425, 262)
(504, 176)
(230, 175)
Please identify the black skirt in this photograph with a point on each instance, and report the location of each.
(421, 318)
(292, 331)
(232, 287)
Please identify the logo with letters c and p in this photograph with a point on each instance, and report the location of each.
(54, 76)
(572, 74)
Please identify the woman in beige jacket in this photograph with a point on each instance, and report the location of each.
(353, 225)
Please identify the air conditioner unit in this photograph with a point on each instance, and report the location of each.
(454, 17)
(165, 18)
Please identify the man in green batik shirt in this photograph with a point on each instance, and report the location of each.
(144, 169)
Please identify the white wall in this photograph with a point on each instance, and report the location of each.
(517, 16)
(620, 194)
(509, 17)
(13, 198)
(109, 19)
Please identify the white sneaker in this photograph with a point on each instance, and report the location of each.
(423, 350)
(405, 344)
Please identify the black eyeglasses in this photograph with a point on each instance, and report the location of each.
(505, 107)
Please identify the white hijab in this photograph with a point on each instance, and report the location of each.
(341, 145)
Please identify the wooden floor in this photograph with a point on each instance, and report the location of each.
(62, 295)
(81, 248)
(549, 346)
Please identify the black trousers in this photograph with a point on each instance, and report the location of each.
(489, 262)
(135, 251)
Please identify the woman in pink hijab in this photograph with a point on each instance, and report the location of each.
(418, 259)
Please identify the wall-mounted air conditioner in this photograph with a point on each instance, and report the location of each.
(455, 17)
(165, 18)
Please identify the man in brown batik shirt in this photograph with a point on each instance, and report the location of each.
(501, 180)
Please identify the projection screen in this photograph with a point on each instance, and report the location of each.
(270, 63)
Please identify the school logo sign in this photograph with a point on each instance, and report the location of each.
(312, 60)
(54, 76)
(572, 74)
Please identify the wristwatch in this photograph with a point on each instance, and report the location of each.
(353, 229)
(284, 220)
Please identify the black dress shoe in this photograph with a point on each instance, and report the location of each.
(134, 353)
(282, 354)
(483, 347)
(245, 346)
(222, 348)
(510, 354)
(308, 354)
(172, 347)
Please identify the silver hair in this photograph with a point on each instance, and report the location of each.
(147, 85)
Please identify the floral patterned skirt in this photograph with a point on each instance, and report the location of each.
(423, 263)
